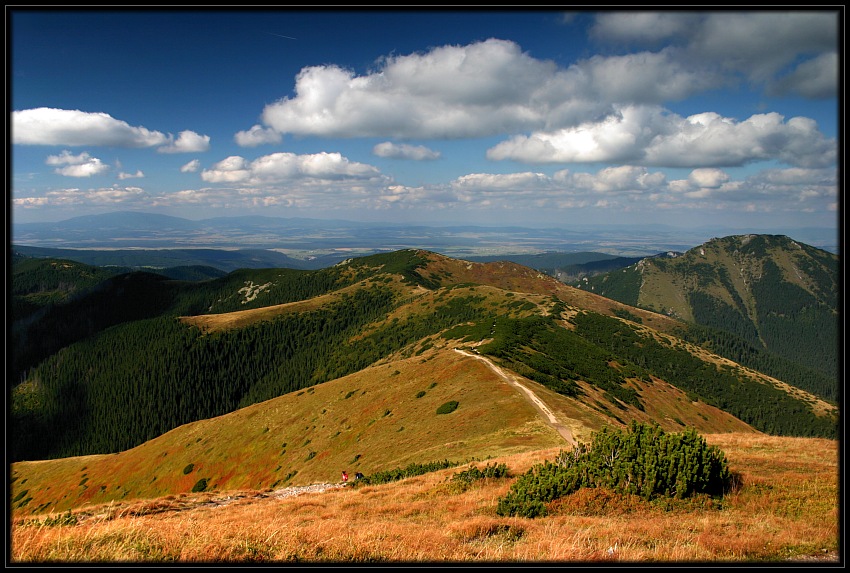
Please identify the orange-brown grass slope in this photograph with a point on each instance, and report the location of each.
(784, 509)
(514, 277)
(370, 421)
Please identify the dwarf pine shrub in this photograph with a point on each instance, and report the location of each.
(448, 407)
(644, 461)
(200, 485)
(474, 473)
(402, 473)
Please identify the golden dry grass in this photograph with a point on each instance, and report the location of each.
(785, 508)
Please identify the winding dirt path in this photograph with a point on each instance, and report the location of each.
(531, 396)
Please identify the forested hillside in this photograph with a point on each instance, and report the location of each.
(764, 301)
(151, 359)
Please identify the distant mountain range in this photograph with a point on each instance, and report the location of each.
(160, 260)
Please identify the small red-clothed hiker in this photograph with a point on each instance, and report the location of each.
(344, 477)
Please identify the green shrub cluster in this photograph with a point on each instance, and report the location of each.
(643, 461)
(473, 474)
(464, 480)
(448, 407)
(200, 485)
(402, 473)
(60, 520)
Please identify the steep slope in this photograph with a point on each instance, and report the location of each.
(768, 292)
(57, 302)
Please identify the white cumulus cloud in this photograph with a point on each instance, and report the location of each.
(187, 142)
(392, 150)
(449, 92)
(109, 196)
(82, 165)
(492, 87)
(708, 177)
(49, 126)
(279, 167)
(191, 167)
(650, 136)
(257, 135)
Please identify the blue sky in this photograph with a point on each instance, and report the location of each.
(481, 116)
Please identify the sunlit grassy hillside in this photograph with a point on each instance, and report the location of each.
(784, 510)
(382, 417)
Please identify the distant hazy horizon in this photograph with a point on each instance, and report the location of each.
(140, 230)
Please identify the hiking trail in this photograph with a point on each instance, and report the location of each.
(530, 396)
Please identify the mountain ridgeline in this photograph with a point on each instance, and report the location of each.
(774, 299)
(136, 355)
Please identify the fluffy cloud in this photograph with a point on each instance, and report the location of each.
(191, 167)
(279, 167)
(708, 177)
(137, 174)
(492, 87)
(650, 136)
(82, 165)
(30, 202)
(187, 142)
(228, 170)
(563, 190)
(257, 135)
(477, 90)
(449, 92)
(48, 126)
(105, 196)
(404, 151)
(613, 180)
(711, 140)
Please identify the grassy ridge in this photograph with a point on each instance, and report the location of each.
(368, 421)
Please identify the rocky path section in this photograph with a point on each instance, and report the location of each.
(282, 493)
(298, 490)
(186, 502)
